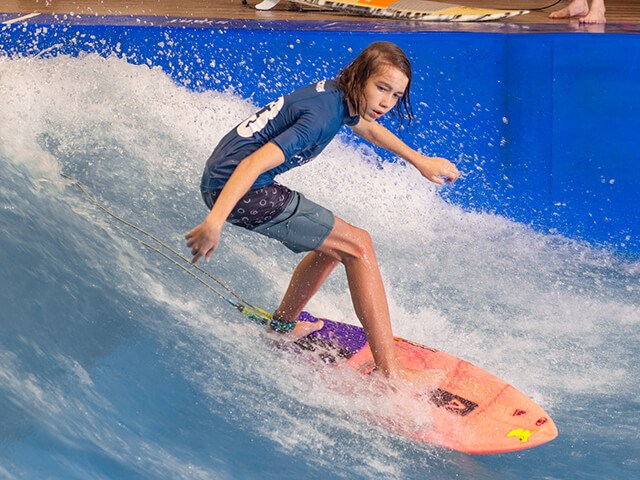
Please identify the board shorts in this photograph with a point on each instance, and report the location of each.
(300, 224)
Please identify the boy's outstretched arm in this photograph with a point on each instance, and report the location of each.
(435, 169)
(204, 239)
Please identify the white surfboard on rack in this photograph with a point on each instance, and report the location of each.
(424, 10)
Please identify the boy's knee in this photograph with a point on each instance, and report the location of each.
(347, 242)
(359, 245)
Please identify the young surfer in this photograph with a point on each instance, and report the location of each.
(239, 187)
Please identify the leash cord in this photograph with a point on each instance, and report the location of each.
(245, 307)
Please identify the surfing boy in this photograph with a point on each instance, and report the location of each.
(238, 186)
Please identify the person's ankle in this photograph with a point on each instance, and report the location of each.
(280, 325)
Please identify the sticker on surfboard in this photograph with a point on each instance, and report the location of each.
(423, 10)
(470, 410)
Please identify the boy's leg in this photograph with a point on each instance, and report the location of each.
(352, 247)
(307, 278)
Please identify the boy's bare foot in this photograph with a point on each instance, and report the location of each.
(577, 8)
(303, 329)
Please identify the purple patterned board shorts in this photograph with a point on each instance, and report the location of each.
(257, 207)
(282, 214)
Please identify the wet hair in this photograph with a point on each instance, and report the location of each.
(371, 61)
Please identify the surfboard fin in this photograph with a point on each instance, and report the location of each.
(267, 4)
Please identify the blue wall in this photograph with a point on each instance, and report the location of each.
(544, 125)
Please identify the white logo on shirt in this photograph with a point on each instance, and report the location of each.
(320, 86)
(257, 122)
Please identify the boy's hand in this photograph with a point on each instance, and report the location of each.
(203, 240)
(438, 170)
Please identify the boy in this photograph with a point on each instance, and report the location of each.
(238, 186)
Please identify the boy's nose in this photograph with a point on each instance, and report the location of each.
(386, 101)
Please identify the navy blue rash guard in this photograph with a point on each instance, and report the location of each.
(301, 124)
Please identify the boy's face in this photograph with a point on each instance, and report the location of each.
(382, 91)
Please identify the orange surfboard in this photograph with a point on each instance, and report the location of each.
(470, 411)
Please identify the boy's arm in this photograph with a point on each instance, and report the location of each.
(435, 169)
(203, 239)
